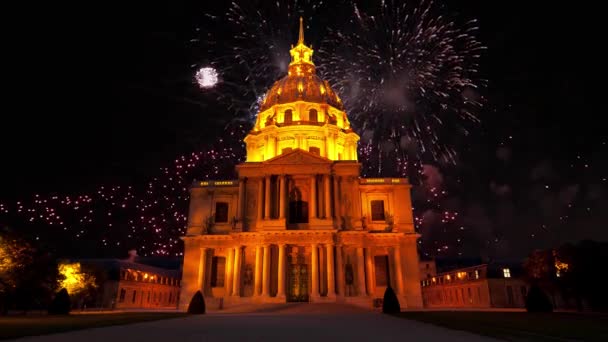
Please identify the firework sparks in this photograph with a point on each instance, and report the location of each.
(206, 77)
(408, 77)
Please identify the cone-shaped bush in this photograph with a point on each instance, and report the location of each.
(390, 304)
(537, 301)
(197, 304)
(60, 304)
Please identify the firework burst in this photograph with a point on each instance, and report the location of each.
(409, 78)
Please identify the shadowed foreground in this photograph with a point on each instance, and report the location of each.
(299, 322)
(521, 326)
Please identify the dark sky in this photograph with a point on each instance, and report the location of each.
(100, 92)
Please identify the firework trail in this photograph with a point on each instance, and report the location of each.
(409, 78)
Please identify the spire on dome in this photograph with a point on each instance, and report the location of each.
(301, 36)
(301, 56)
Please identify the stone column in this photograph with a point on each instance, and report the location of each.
(360, 272)
(241, 200)
(337, 206)
(267, 199)
(282, 194)
(398, 271)
(202, 269)
(331, 282)
(340, 271)
(266, 272)
(369, 271)
(236, 286)
(261, 199)
(314, 260)
(281, 270)
(257, 283)
(312, 207)
(327, 196)
(229, 272)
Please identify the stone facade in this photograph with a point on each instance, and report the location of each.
(299, 223)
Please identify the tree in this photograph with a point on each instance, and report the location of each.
(79, 284)
(197, 304)
(28, 275)
(61, 303)
(390, 304)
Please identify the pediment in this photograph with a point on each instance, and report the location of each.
(298, 157)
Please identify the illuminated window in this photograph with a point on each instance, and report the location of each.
(123, 293)
(476, 274)
(314, 150)
(221, 212)
(313, 115)
(506, 272)
(288, 116)
(377, 210)
(218, 269)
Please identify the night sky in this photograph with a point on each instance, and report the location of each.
(103, 93)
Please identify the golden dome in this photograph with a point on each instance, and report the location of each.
(301, 111)
(301, 82)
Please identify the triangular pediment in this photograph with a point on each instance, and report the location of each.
(298, 156)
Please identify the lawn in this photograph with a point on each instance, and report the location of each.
(520, 326)
(19, 326)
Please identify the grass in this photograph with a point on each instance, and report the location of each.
(520, 326)
(20, 326)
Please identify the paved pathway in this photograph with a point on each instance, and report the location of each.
(289, 323)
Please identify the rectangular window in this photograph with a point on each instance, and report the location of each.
(123, 293)
(221, 212)
(476, 274)
(377, 210)
(382, 273)
(134, 296)
(506, 272)
(148, 296)
(170, 297)
(314, 150)
(218, 270)
(470, 295)
(524, 292)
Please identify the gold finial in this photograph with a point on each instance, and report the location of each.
(301, 36)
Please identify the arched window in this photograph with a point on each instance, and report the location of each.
(313, 115)
(288, 116)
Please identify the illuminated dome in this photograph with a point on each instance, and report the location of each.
(301, 111)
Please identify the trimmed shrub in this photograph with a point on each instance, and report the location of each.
(537, 301)
(61, 303)
(390, 304)
(197, 304)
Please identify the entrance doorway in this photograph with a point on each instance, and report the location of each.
(298, 283)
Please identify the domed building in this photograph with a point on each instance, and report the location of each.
(299, 223)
